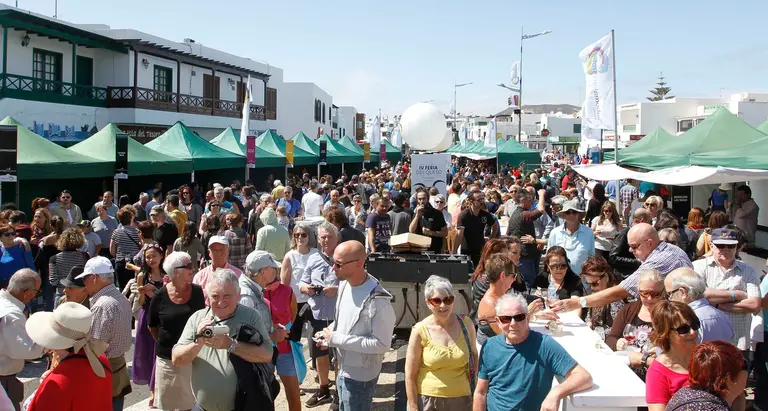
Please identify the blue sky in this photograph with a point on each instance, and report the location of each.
(390, 54)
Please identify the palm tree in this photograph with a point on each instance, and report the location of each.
(661, 91)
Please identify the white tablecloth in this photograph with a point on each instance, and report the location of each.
(615, 387)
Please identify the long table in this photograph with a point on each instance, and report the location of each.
(615, 387)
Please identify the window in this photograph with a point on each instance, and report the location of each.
(684, 125)
(323, 113)
(270, 104)
(359, 124)
(163, 79)
(46, 67)
(577, 128)
(318, 107)
(629, 128)
(482, 123)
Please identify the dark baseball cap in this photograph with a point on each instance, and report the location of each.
(725, 236)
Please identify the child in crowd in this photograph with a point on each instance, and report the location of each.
(282, 217)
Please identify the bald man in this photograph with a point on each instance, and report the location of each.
(362, 328)
(685, 286)
(645, 245)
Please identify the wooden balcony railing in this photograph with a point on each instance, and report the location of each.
(30, 88)
(137, 97)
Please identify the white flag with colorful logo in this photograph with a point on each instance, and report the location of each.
(514, 75)
(374, 135)
(397, 138)
(490, 135)
(463, 133)
(244, 126)
(599, 109)
(589, 133)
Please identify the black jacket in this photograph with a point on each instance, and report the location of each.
(257, 387)
(620, 258)
(349, 233)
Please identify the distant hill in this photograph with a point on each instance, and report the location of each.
(551, 108)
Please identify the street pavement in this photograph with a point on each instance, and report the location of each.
(389, 395)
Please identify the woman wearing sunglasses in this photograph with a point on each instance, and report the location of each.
(294, 263)
(599, 275)
(559, 281)
(632, 325)
(676, 333)
(717, 376)
(442, 359)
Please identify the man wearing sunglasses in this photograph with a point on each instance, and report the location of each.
(685, 286)
(508, 380)
(732, 285)
(67, 210)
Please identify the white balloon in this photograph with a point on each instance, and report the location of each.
(447, 141)
(422, 126)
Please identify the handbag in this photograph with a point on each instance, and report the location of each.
(471, 363)
(299, 362)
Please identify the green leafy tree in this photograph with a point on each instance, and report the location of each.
(661, 91)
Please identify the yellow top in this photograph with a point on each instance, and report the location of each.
(443, 371)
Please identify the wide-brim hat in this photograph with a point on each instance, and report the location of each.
(58, 330)
(570, 205)
(71, 281)
(724, 187)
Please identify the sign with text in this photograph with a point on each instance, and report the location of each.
(121, 156)
(289, 153)
(366, 152)
(250, 152)
(681, 200)
(8, 154)
(323, 152)
(431, 170)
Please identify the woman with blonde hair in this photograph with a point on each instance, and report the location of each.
(294, 263)
(69, 244)
(606, 227)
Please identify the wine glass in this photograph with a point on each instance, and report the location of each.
(629, 334)
(551, 300)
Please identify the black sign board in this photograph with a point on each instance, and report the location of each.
(681, 201)
(121, 156)
(323, 152)
(8, 154)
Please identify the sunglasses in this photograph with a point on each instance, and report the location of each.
(339, 265)
(650, 294)
(686, 328)
(561, 266)
(506, 319)
(728, 246)
(215, 205)
(65, 197)
(650, 205)
(436, 301)
(569, 212)
(596, 283)
(9, 234)
(439, 202)
(300, 235)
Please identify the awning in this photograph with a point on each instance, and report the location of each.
(675, 176)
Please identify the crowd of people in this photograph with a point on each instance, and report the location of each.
(221, 285)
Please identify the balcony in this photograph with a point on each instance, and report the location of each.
(49, 91)
(137, 97)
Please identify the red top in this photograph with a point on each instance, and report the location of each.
(73, 386)
(279, 298)
(661, 383)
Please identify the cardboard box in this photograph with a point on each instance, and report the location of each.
(409, 242)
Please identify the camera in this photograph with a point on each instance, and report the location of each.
(318, 289)
(215, 330)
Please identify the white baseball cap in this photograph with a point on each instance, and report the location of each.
(97, 265)
(218, 239)
(260, 259)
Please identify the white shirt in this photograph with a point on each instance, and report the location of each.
(312, 204)
(16, 344)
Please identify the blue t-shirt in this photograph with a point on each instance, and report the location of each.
(718, 198)
(292, 207)
(520, 376)
(611, 189)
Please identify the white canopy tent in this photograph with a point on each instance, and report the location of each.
(676, 176)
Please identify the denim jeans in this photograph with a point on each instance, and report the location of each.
(528, 268)
(355, 395)
(117, 403)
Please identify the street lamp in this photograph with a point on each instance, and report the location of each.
(523, 36)
(456, 104)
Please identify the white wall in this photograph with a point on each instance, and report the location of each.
(560, 126)
(754, 113)
(346, 121)
(20, 58)
(296, 108)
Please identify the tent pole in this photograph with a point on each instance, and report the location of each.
(246, 175)
(114, 188)
(17, 192)
(286, 175)
(342, 168)
(193, 176)
(318, 171)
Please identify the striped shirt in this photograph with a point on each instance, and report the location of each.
(61, 264)
(126, 239)
(112, 320)
(664, 258)
(742, 277)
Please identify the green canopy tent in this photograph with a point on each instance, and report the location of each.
(352, 146)
(394, 154)
(720, 131)
(453, 147)
(514, 153)
(656, 138)
(142, 160)
(305, 143)
(180, 142)
(763, 127)
(337, 154)
(752, 155)
(273, 143)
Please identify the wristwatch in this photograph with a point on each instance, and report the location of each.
(232, 346)
(583, 302)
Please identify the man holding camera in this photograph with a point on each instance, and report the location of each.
(212, 334)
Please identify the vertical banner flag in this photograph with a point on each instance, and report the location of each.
(374, 138)
(8, 154)
(323, 152)
(382, 152)
(121, 156)
(588, 133)
(514, 75)
(244, 127)
(430, 170)
(463, 131)
(599, 109)
(366, 152)
(490, 136)
(397, 138)
(250, 151)
(289, 153)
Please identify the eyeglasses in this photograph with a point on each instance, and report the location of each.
(560, 266)
(634, 246)
(671, 293)
(650, 294)
(506, 319)
(686, 328)
(188, 267)
(215, 205)
(649, 205)
(596, 283)
(300, 235)
(65, 197)
(436, 301)
(728, 246)
(339, 265)
(9, 234)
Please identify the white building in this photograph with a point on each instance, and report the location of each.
(345, 121)
(64, 81)
(305, 107)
